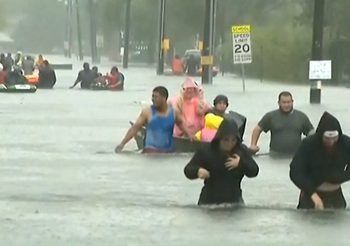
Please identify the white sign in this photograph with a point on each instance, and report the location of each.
(320, 70)
(66, 45)
(242, 51)
(99, 41)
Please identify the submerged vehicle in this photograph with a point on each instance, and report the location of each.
(197, 58)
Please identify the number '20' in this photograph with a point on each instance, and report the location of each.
(239, 48)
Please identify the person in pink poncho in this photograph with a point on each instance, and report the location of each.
(192, 105)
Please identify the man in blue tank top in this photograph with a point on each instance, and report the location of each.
(159, 120)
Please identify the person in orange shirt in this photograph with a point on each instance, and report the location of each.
(116, 79)
(3, 74)
(177, 66)
(40, 62)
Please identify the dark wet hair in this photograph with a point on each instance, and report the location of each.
(46, 62)
(162, 91)
(115, 68)
(284, 94)
(95, 68)
(86, 65)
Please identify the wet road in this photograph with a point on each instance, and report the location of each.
(60, 183)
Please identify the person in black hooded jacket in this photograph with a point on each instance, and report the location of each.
(222, 165)
(320, 166)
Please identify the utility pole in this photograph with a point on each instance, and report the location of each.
(317, 44)
(160, 67)
(67, 44)
(69, 28)
(81, 57)
(93, 32)
(127, 34)
(208, 42)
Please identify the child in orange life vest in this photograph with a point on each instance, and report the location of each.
(212, 124)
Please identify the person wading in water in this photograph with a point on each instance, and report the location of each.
(222, 165)
(159, 120)
(321, 165)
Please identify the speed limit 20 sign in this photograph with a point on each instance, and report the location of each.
(242, 51)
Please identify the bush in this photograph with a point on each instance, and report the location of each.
(278, 54)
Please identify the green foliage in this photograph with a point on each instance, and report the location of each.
(281, 41)
(281, 34)
(2, 17)
(282, 57)
(39, 26)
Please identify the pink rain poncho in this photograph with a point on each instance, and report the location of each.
(192, 106)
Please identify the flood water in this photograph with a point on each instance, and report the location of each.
(61, 183)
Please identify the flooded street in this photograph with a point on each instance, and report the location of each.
(62, 184)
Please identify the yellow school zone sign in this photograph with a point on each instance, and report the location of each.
(242, 51)
(207, 60)
(241, 29)
(166, 44)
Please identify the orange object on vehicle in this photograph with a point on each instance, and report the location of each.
(33, 79)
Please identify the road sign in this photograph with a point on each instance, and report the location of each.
(320, 70)
(66, 45)
(207, 60)
(99, 41)
(242, 51)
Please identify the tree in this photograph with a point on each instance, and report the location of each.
(34, 32)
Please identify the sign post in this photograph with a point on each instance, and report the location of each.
(243, 77)
(242, 51)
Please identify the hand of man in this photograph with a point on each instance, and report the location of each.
(317, 201)
(254, 149)
(119, 148)
(232, 162)
(203, 173)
